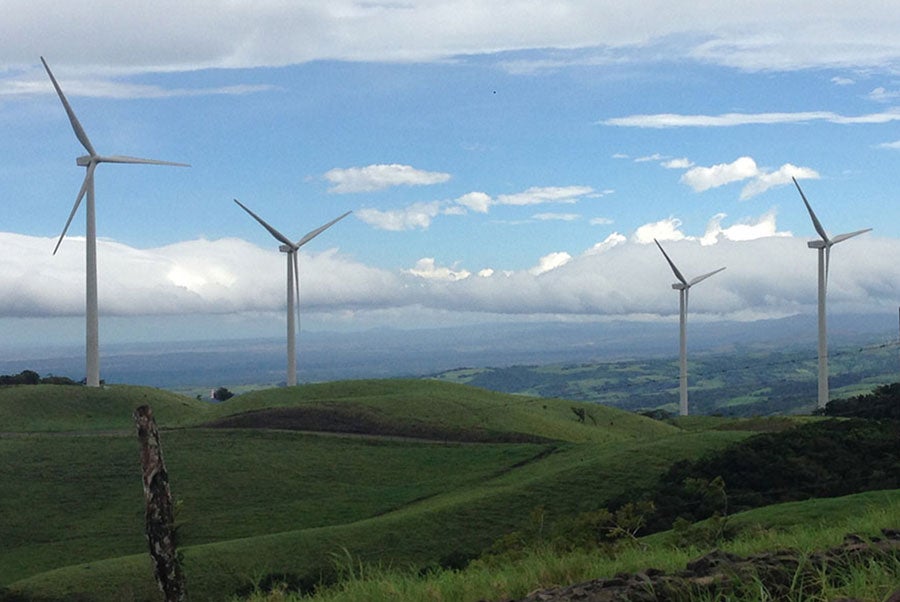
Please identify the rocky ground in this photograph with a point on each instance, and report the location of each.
(720, 573)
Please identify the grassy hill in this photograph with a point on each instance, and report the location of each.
(277, 484)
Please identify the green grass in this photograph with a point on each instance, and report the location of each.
(257, 503)
(801, 526)
(40, 408)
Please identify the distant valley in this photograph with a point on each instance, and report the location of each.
(744, 364)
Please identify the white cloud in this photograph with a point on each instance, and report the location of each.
(747, 229)
(379, 177)
(704, 178)
(418, 215)
(479, 202)
(648, 158)
(666, 229)
(766, 180)
(744, 168)
(608, 243)
(770, 273)
(563, 217)
(426, 268)
(882, 95)
(545, 194)
(672, 120)
(550, 262)
(890, 145)
(842, 81)
(600, 221)
(183, 36)
(109, 88)
(683, 163)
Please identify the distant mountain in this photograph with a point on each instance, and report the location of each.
(387, 352)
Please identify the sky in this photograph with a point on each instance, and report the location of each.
(504, 161)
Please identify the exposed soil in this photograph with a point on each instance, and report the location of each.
(360, 420)
(720, 574)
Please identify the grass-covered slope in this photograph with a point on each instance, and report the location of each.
(419, 407)
(39, 408)
(279, 500)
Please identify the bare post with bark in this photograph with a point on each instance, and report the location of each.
(160, 514)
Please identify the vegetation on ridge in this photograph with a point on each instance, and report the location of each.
(402, 473)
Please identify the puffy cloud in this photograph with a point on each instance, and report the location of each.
(418, 215)
(379, 177)
(666, 229)
(748, 229)
(426, 268)
(479, 202)
(763, 181)
(550, 262)
(770, 273)
(704, 178)
(682, 163)
(608, 243)
(744, 168)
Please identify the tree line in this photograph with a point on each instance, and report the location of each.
(30, 377)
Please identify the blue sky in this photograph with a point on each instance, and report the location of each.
(503, 161)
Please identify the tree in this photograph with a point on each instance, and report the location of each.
(222, 394)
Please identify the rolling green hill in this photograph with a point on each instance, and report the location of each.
(273, 484)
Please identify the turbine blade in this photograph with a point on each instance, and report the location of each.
(278, 235)
(671, 264)
(79, 131)
(84, 186)
(843, 237)
(827, 263)
(311, 235)
(126, 159)
(704, 277)
(815, 220)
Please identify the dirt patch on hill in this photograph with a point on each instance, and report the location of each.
(361, 420)
(720, 574)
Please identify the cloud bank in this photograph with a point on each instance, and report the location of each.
(168, 36)
(770, 274)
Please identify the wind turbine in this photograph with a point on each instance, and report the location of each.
(683, 286)
(823, 245)
(293, 283)
(90, 162)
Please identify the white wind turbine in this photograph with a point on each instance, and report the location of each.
(90, 162)
(683, 286)
(293, 283)
(823, 245)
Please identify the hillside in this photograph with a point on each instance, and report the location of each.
(395, 471)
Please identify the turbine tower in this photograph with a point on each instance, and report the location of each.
(90, 162)
(683, 286)
(293, 283)
(823, 245)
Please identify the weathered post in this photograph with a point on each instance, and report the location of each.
(160, 515)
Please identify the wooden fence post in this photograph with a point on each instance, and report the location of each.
(160, 515)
